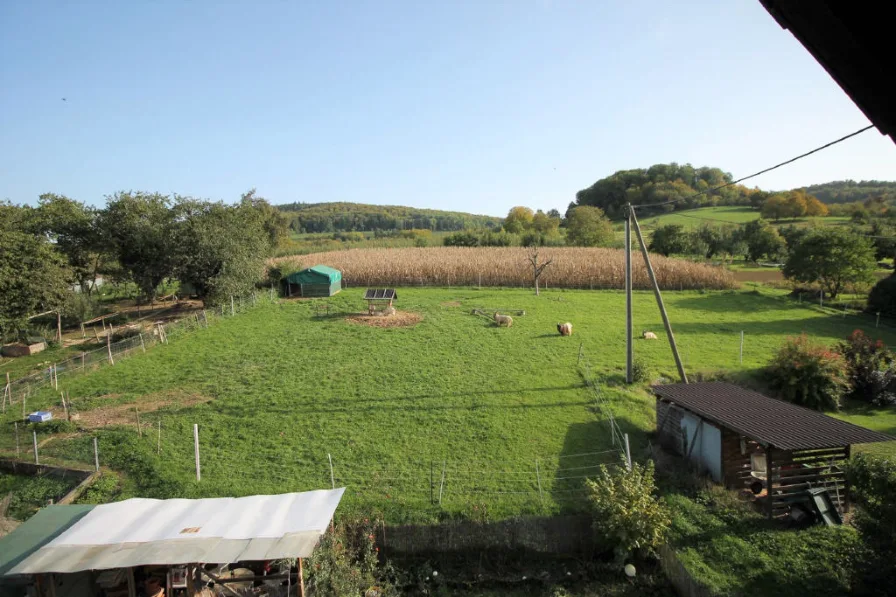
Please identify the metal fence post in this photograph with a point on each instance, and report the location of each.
(96, 456)
(332, 478)
(34, 435)
(628, 454)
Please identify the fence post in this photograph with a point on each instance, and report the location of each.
(137, 417)
(109, 348)
(442, 484)
(55, 378)
(232, 311)
(628, 454)
(159, 444)
(876, 324)
(196, 449)
(34, 435)
(96, 456)
(432, 483)
(142, 343)
(65, 407)
(332, 478)
(741, 347)
(18, 453)
(538, 478)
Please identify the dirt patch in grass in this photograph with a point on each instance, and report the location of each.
(401, 319)
(451, 304)
(126, 414)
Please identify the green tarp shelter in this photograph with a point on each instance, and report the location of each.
(36, 532)
(319, 280)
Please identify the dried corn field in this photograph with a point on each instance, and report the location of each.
(573, 267)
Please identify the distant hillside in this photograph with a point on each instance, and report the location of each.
(352, 217)
(849, 191)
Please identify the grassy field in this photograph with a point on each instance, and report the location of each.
(732, 214)
(497, 410)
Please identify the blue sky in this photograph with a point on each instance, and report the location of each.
(473, 106)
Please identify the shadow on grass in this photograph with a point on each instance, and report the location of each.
(728, 302)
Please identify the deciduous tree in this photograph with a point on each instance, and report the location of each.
(588, 227)
(834, 258)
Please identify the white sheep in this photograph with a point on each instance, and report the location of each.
(648, 335)
(503, 320)
(565, 329)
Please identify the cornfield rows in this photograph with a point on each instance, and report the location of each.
(573, 267)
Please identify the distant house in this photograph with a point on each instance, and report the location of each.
(319, 280)
(749, 441)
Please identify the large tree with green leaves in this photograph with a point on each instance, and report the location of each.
(834, 258)
(588, 227)
(220, 248)
(669, 239)
(760, 240)
(72, 227)
(139, 230)
(33, 278)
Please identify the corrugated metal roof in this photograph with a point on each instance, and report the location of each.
(36, 532)
(139, 532)
(769, 421)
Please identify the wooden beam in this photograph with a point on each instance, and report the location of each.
(769, 481)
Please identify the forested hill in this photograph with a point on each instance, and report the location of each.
(349, 217)
(661, 183)
(849, 191)
(679, 183)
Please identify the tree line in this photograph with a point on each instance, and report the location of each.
(359, 217)
(47, 251)
(584, 226)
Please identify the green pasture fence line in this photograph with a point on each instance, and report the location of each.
(139, 341)
(619, 439)
(843, 310)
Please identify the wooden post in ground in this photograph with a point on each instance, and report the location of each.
(659, 298)
(196, 449)
(96, 334)
(109, 348)
(301, 579)
(18, 454)
(629, 346)
(34, 436)
(65, 407)
(96, 456)
(442, 484)
(142, 343)
(628, 454)
(159, 444)
(59, 327)
(232, 310)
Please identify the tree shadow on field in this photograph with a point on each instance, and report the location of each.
(729, 302)
(827, 326)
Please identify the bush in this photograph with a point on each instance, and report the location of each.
(346, 562)
(869, 365)
(808, 374)
(874, 484)
(882, 298)
(628, 513)
(640, 370)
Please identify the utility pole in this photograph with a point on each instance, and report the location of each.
(659, 297)
(629, 358)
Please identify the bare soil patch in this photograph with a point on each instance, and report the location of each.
(126, 414)
(451, 304)
(400, 319)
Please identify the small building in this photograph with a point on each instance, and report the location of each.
(176, 545)
(379, 299)
(749, 441)
(319, 280)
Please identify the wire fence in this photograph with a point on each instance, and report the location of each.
(136, 338)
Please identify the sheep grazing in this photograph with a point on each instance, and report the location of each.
(565, 329)
(503, 320)
(648, 335)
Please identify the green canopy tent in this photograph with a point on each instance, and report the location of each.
(319, 280)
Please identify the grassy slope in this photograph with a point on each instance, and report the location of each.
(288, 388)
(727, 213)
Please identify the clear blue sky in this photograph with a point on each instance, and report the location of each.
(474, 106)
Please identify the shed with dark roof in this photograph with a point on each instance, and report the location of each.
(745, 439)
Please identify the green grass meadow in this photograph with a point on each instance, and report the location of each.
(732, 214)
(497, 411)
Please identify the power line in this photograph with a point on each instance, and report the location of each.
(775, 167)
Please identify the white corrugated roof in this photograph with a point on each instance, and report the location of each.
(139, 532)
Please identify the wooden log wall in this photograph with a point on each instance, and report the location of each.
(668, 427)
(800, 470)
(735, 462)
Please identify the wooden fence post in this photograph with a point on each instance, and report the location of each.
(196, 449)
(18, 454)
(96, 456)
(142, 343)
(332, 478)
(109, 348)
(628, 454)
(34, 435)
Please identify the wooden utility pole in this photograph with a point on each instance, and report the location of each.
(659, 298)
(629, 348)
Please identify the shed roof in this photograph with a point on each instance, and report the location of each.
(37, 531)
(380, 294)
(140, 532)
(316, 271)
(766, 420)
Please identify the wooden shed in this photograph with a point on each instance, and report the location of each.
(319, 280)
(746, 440)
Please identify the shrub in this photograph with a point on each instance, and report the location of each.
(640, 370)
(882, 298)
(628, 513)
(874, 484)
(346, 562)
(868, 362)
(808, 374)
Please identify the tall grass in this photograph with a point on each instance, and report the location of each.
(572, 267)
